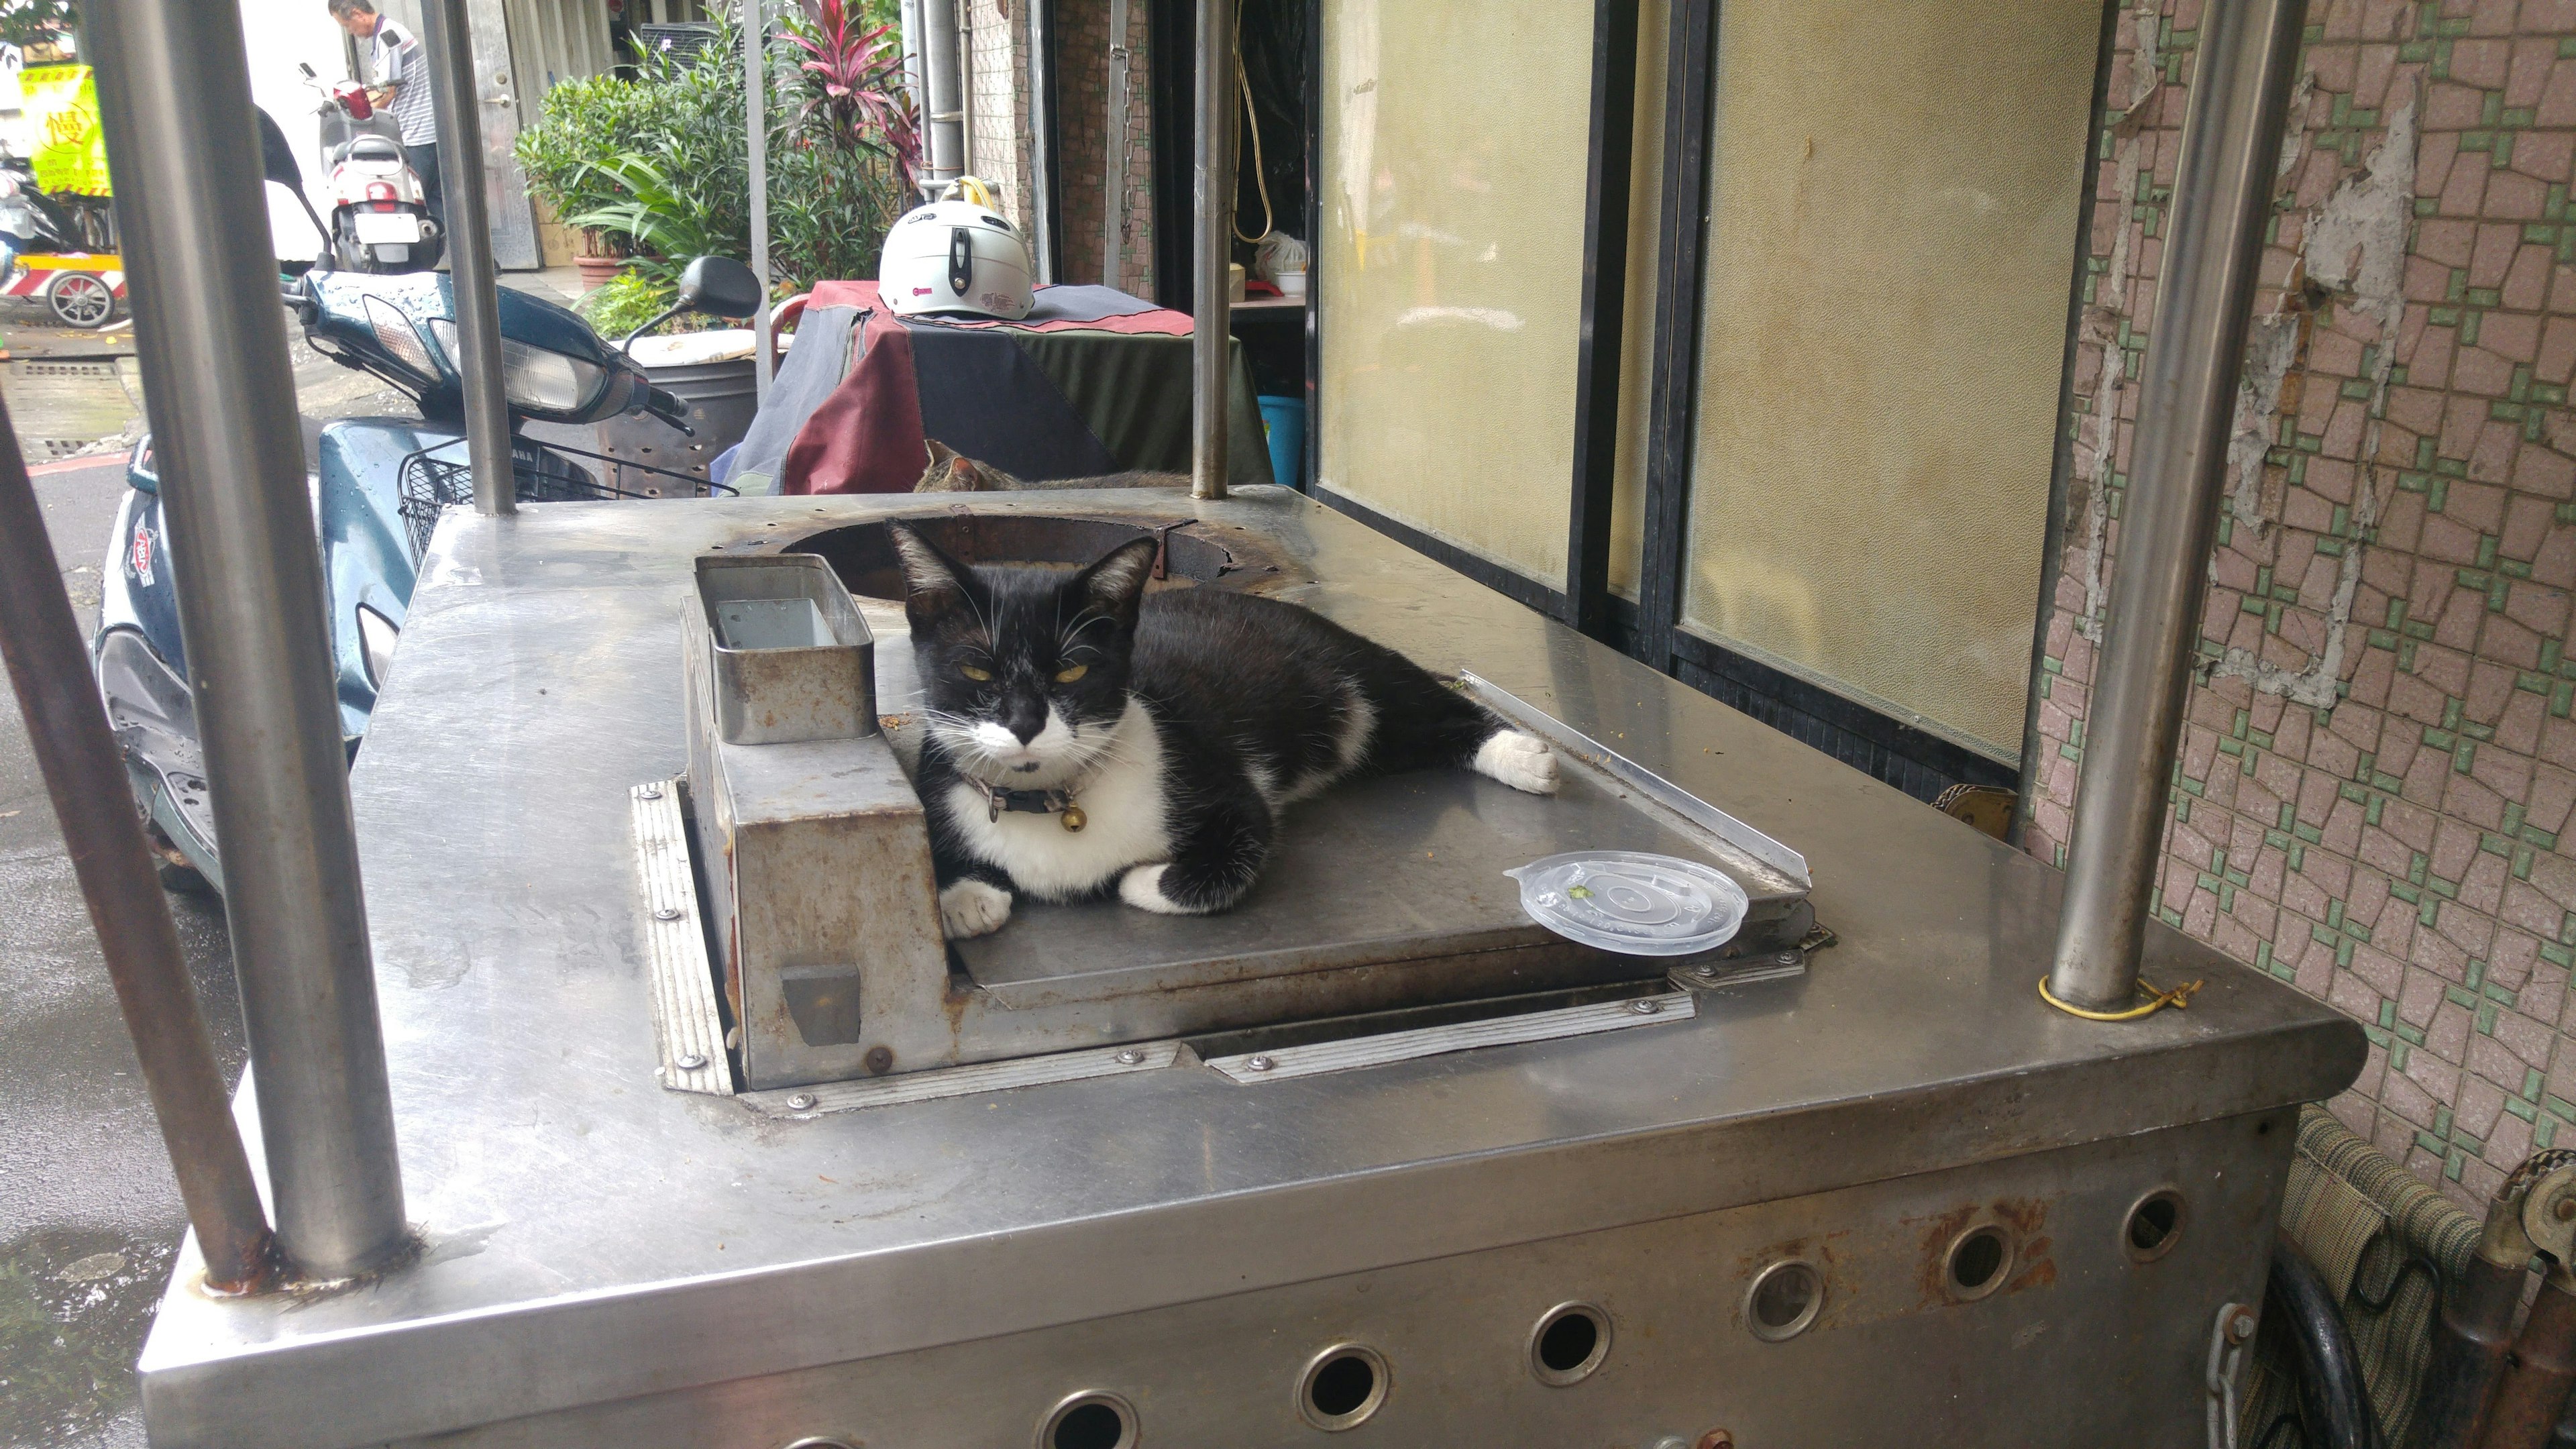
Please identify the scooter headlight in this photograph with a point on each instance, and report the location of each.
(534, 379)
(377, 636)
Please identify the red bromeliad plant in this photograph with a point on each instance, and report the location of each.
(854, 83)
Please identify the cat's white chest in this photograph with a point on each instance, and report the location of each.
(1122, 806)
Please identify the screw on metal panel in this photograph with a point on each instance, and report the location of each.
(1645, 1006)
(689, 1063)
(2240, 1326)
(652, 792)
(1789, 958)
(1258, 1064)
(1704, 972)
(879, 1060)
(801, 1102)
(2563, 1209)
(1130, 1057)
(667, 913)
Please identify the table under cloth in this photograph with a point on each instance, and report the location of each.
(1093, 381)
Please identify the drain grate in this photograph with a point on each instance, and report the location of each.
(91, 371)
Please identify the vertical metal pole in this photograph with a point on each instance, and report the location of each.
(1038, 190)
(174, 93)
(755, 86)
(469, 253)
(49, 670)
(944, 134)
(2231, 139)
(1113, 170)
(1209, 332)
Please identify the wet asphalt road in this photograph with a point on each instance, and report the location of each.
(89, 1215)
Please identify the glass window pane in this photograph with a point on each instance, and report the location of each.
(1454, 141)
(1894, 190)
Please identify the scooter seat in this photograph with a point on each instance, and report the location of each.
(374, 148)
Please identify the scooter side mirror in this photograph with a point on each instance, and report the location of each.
(276, 156)
(719, 285)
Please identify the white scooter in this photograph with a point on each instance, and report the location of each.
(379, 219)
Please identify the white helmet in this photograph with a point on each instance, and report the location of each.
(956, 255)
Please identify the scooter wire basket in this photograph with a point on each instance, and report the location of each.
(438, 477)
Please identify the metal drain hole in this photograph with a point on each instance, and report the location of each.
(1569, 1343)
(1784, 1300)
(1342, 1386)
(2154, 1225)
(1977, 1262)
(1090, 1421)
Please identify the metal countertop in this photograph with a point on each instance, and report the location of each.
(591, 1236)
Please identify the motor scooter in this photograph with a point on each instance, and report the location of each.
(380, 219)
(377, 493)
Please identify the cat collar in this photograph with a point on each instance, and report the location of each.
(1034, 802)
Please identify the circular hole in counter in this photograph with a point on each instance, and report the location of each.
(1569, 1343)
(1784, 1300)
(2153, 1225)
(1977, 1263)
(1342, 1386)
(1090, 1420)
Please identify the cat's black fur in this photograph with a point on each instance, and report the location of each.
(1252, 701)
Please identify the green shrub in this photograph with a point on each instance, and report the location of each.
(658, 167)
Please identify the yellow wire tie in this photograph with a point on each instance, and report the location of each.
(2154, 1000)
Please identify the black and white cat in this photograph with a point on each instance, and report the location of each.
(1080, 735)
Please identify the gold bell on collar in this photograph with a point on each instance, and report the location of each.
(1073, 818)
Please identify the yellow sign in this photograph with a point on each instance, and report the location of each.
(62, 116)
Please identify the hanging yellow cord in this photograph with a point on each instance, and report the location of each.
(1252, 123)
(2178, 998)
(971, 188)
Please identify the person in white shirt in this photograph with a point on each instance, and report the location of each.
(400, 65)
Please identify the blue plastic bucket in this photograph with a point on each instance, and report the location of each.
(1283, 421)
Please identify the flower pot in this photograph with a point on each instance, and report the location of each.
(595, 271)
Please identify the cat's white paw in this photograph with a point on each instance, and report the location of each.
(1142, 887)
(1519, 759)
(973, 908)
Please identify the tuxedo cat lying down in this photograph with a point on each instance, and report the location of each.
(1081, 736)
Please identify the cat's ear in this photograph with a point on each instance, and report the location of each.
(1117, 581)
(941, 455)
(932, 581)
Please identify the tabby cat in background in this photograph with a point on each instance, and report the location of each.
(953, 472)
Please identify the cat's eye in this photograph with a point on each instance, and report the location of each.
(973, 673)
(1071, 672)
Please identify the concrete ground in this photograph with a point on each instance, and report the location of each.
(89, 1214)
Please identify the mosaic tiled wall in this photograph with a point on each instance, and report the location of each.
(2376, 780)
(1082, 78)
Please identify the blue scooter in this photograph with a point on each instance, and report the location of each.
(377, 494)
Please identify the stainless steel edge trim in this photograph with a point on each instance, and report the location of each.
(962, 1081)
(1432, 1041)
(1662, 791)
(685, 1018)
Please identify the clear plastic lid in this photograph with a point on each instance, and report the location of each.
(1633, 902)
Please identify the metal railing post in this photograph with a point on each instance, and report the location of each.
(1212, 295)
(84, 774)
(174, 94)
(755, 125)
(2222, 191)
(456, 103)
